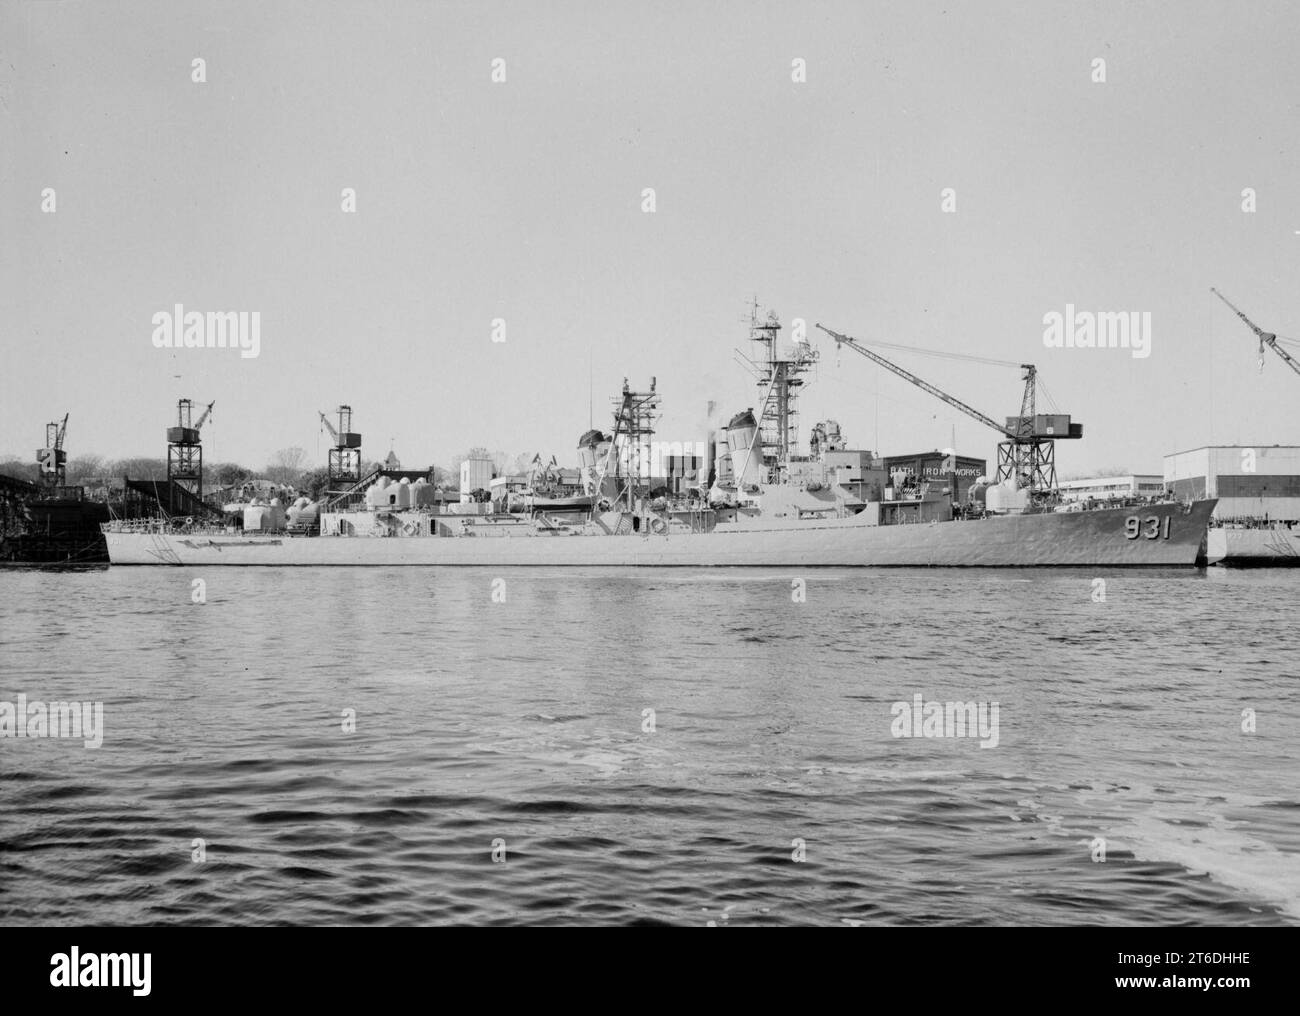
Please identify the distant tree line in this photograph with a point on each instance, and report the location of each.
(287, 467)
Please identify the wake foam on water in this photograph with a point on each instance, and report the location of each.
(1224, 853)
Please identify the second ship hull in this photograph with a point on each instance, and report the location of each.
(1163, 535)
(1275, 547)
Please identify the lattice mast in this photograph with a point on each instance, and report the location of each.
(779, 368)
(635, 414)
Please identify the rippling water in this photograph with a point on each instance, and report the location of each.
(524, 723)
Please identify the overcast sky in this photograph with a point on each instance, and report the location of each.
(522, 200)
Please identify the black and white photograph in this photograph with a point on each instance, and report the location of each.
(720, 465)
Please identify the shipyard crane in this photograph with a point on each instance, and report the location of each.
(1027, 456)
(185, 456)
(344, 469)
(1265, 338)
(52, 458)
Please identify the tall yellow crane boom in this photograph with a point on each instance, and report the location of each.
(1265, 338)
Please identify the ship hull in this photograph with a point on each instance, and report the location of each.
(59, 531)
(1276, 547)
(1166, 535)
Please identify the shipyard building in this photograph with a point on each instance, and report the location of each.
(1105, 488)
(936, 467)
(1250, 481)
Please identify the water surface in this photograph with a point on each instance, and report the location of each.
(523, 723)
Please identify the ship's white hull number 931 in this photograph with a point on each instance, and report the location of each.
(1152, 527)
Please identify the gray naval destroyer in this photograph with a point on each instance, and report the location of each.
(744, 496)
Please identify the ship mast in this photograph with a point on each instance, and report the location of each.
(778, 369)
(634, 419)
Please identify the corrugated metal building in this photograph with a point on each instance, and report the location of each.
(1250, 481)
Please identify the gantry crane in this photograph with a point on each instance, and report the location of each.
(52, 459)
(1027, 456)
(1265, 338)
(185, 454)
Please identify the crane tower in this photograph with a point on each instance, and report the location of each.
(345, 457)
(52, 459)
(185, 453)
(1027, 455)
